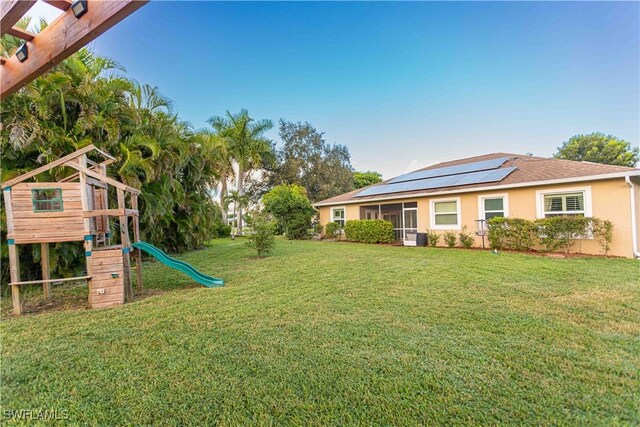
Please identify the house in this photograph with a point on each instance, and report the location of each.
(468, 192)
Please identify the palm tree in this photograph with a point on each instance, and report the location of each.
(239, 201)
(247, 145)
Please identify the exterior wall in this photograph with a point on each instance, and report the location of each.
(609, 200)
(35, 227)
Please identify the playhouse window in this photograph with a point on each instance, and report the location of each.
(47, 199)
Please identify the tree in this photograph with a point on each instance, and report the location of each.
(291, 208)
(599, 148)
(261, 237)
(306, 159)
(247, 145)
(239, 202)
(363, 179)
(87, 99)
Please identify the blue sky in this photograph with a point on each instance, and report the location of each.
(402, 85)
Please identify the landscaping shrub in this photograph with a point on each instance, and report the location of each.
(331, 230)
(449, 238)
(369, 231)
(298, 227)
(603, 231)
(432, 238)
(554, 234)
(465, 239)
(262, 237)
(560, 232)
(512, 233)
(220, 230)
(318, 229)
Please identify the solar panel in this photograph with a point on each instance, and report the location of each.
(479, 177)
(451, 170)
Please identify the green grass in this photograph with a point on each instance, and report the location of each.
(336, 333)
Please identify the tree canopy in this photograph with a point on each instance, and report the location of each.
(363, 179)
(87, 99)
(306, 159)
(599, 148)
(246, 146)
(291, 208)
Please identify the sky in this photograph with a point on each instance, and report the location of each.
(402, 85)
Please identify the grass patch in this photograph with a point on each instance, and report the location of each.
(335, 333)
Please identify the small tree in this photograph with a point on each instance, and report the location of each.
(291, 208)
(262, 237)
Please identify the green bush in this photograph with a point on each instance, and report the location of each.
(220, 230)
(291, 208)
(450, 238)
(560, 232)
(465, 239)
(298, 226)
(432, 238)
(554, 234)
(369, 231)
(603, 231)
(318, 229)
(331, 230)
(511, 233)
(262, 237)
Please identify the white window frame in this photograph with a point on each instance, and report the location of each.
(505, 203)
(588, 208)
(344, 209)
(432, 214)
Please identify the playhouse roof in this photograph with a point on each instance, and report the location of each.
(68, 160)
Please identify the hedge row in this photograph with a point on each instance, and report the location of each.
(369, 231)
(554, 234)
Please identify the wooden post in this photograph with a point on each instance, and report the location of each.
(136, 238)
(44, 262)
(14, 258)
(124, 239)
(88, 242)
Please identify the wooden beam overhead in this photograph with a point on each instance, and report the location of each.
(11, 11)
(21, 34)
(61, 38)
(60, 4)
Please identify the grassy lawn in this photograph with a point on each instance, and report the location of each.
(337, 333)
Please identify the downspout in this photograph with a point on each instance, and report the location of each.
(634, 224)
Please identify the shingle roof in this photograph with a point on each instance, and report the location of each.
(528, 169)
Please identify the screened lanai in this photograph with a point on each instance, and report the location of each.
(403, 216)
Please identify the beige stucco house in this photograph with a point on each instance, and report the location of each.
(467, 192)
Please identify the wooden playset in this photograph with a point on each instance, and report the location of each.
(75, 209)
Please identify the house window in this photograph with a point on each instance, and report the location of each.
(493, 206)
(445, 214)
(564, 202)
(47, 199)
(337, 215)
(570, 204)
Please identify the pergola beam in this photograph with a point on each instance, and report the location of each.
(60, 4)
(63, 37)
(11, 11)
(21, 34)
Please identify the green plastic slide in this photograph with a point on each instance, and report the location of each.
(203, 279)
